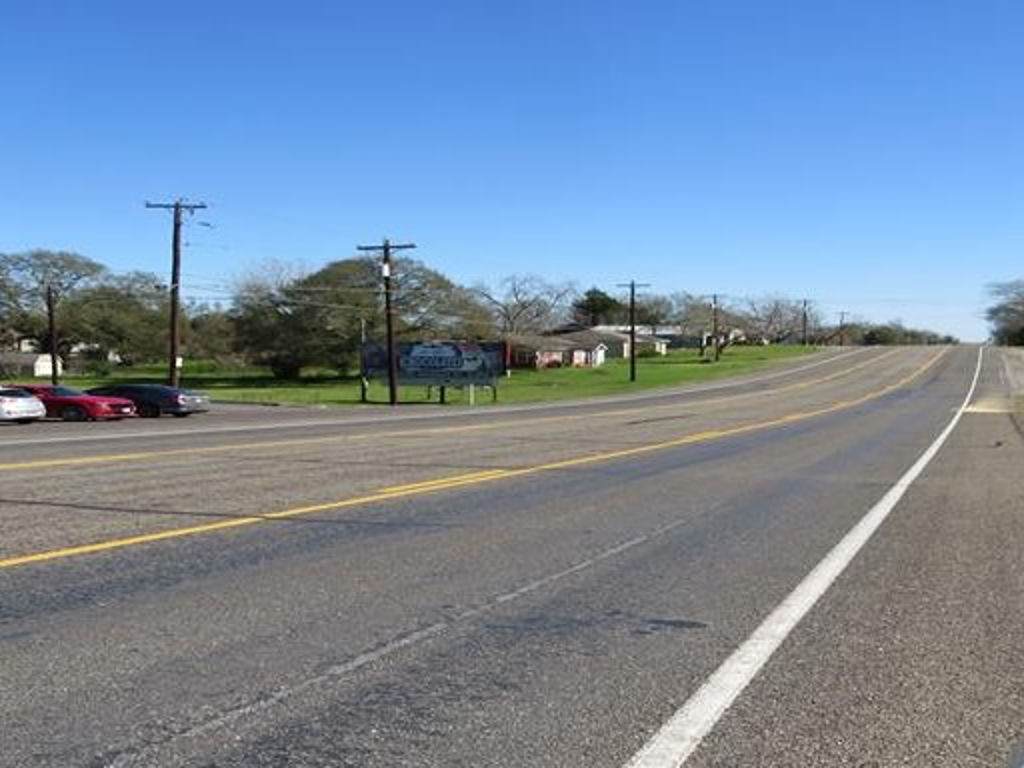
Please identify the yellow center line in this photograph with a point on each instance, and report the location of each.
(447, 483)
(761, 392)
(136, 456)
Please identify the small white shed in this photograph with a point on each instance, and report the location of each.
(31, 364)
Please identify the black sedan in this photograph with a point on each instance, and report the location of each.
(152, 400)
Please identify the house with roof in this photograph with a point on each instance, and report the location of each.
(555, 351)
(652, 338)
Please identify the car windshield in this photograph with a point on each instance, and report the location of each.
(65, 392)
(14, 393)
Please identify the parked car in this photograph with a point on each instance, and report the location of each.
(20, 405)
(73, 405)
(154, 399)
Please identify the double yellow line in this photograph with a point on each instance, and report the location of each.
(448, 483)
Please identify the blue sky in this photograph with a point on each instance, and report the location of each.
(862, 154)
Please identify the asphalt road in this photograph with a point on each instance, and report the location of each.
(532, 586)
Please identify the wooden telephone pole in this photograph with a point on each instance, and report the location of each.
(174, 332)
(385, 250)
(632, 285)
(51, 323)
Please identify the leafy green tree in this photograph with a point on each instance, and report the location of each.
(895, 333)
(883, 335)
(266, 332)
(8, 304)
(26, 278)
(120, 315)
(595, 307)
(322, 318)
(210, 334)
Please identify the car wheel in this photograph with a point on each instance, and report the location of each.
(73, 413)
(25, 421)
(180, 415)
(149, 411)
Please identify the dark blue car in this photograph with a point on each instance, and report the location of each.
(152, 400)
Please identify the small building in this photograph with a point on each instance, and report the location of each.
(616, 344)
(556, 352)
(538, 352)
(652, 338)
(27, 364)
(591, 349)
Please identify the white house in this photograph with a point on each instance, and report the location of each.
(29, 364)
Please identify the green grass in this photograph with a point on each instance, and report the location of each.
(250, 385)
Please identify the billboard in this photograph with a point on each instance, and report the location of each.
(439, 363)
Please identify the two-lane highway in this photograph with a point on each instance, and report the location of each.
(532, 586)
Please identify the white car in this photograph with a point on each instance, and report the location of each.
(20, 406)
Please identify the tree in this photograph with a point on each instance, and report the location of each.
(268, 329)
(25, 280)
(32, 272)
(430, 306)
(776, 319)
(654, 310)
(123, 315)
(8, 304)
(595, 307)
(1007, 314)
(210, 333)
(692, 313)
(527, 304)
(884, 335)
(322, 318)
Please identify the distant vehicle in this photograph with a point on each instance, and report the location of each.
(20, 405)
(73, 405)
(151, 400)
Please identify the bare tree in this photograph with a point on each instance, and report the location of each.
(654, 310)
(775, 319)
(26, 276)
(528, 304)
(1007, 315)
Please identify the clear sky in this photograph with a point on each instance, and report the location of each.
(864, 154)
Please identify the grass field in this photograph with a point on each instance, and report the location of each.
(677, 368)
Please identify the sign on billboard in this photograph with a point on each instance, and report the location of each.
(439, 363)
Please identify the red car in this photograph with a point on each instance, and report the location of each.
(72, 405)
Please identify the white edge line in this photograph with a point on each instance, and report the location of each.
(676, 741)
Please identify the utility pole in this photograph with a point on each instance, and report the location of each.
(51, 322)
(714, 327)
(803, 334)
(632, 285)
(385, 250)
(363, 383)
(174, 331)
(842, 327)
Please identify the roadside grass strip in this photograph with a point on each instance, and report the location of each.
(115, 458)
